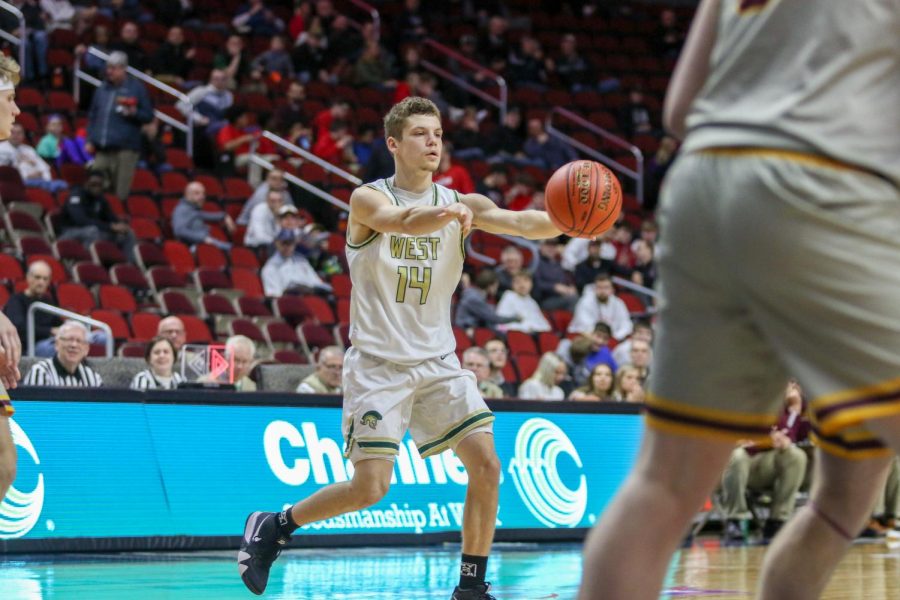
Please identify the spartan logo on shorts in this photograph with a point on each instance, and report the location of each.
(371, 418)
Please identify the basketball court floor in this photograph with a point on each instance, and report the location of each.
(521, 571)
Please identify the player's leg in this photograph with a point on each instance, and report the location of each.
(7, 456)
(627, 553)
(371, 481)
(822, 531)
(478, 455)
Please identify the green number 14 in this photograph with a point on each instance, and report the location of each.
(414, 278)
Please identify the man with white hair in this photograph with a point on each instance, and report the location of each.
(243, 351)
(327, 377)
(67, 367)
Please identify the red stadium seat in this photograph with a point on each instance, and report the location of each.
(248, 328)
(520, 343)
(129, 276)
(248, 281)
(279, 334)
(179, 256)
(150, 255)
(117, 297)
(292, 309)
(75, 297)
(320, 309)
(208, 279)
(107, 253)
(216, 304)
(211, 257)
(90, 273)
(115, 320)
(71, 251)
(313, 337)
(243, 258)
(196, 330)
(145, 325)
(289, 357)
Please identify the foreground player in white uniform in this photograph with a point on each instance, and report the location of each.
(782, 232)
(405, 250)
(10, 346)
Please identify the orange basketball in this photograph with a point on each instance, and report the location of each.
(583, 198)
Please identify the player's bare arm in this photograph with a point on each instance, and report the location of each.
(530, 224)
(10, 353)
(371, 211)
(692, 69)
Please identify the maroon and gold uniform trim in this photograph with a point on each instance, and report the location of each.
(6, 408)
(834, 412)
(674, 417)
(855, 445)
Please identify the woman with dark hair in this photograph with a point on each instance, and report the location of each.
(599, 386)
(160, 356)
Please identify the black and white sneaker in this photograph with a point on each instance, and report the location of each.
(479, 592)
(261, 545)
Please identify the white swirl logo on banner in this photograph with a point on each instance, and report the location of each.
(534, 471)
(20, 511)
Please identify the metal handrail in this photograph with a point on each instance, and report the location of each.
(23, 33)
(55, 310)
(290, 178)
(636, 175)
(500, 103)
(306, 155)
(374, 15)
(187, 128)
(630, 285)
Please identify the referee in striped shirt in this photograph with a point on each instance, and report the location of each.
(67, 367)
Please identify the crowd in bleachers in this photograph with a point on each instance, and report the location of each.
(133, 228)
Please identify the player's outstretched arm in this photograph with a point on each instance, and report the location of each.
(372, 209)
(531, 224)
(10, 353)
(692, 68)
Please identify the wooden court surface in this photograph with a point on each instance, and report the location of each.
(871, 571)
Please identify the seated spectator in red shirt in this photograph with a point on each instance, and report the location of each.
(338, 111)
(336, 145)
(236, 137)
(453, 176)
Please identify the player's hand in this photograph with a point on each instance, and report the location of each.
(9, 373)
(461, 213)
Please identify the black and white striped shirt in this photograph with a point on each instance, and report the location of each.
(51, 373)
(146, 380)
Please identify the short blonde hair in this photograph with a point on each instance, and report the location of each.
(413, 105)
(9, 70)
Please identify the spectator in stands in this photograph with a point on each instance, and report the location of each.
(428, 88)
(275, 63)
(599, 303)
(324, 16)
(300, 21)
(37, 279)
(153, 151)
(36, 42)
(599, 386)
(641, 330)
(61, 14)
(172, 328)
(511, 262)
(233, 60)
(49, 146)
(67, 368)
(545, 151)
(336, 146)
(628, 385)
(338, 110)
(587, 351)
(209, 102)
(123, 10)
(129, 43)
(467, 137)
(242, 351)
(263, 224)
(33, 169)
(657, 168)
(572, 69)
(236, 137)
(635, 116)
(326, 379)
(526, 64)
(506, 143)
(476, 359)
(644, 272)
(494, 44)
(374, 67)
(292, 113)
(160, 374)
(778, 465)
(553, 288)
(274, 181)
(452, 175)
(189, 219)
(118, 109)
(669, 36)
(101, 42)
(518, 302)
(286, 271)
(257, 20)
(494, 187)
(499, 355)
(544, 383)
(598, 262)
(640, 356)
(173, 60)
(87, 216)
(411, 25)
(310, 59)
(473, 309)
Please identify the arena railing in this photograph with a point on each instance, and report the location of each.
(61, 312)
(259, 161)
(373, 13)
(12, 39)
(637, 175)
(186, 127)
(305, 155)
(488, 260)
(501, 102)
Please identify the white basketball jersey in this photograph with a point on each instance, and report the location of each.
(820, 76)
(403, 284)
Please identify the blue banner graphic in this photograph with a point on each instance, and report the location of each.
(103, 470)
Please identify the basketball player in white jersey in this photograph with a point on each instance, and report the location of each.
(782, 232)
(405, 250)
(10, 346)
